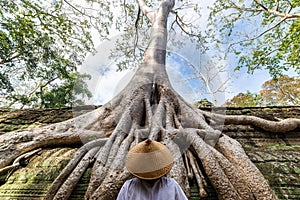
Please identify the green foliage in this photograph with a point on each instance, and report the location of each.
(66, 93)
(41, 45)
(282, 91)
(271, 39)
(245, 100)
(135, 29)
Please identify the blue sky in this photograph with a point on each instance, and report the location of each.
(106, 82)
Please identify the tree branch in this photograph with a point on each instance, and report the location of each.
(277, 5)
(267, 30)
(181, 25)
(136, 37)
(125, 11)
(277, 13)
(148, 12)
(12, 59)
(76, 9)
(258, 36)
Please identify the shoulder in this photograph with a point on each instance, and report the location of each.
(169, 180)
(131, 182)
(177, 189)
(126, 187)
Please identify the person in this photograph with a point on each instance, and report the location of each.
(149, 161)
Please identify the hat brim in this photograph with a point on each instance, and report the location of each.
(154, 174)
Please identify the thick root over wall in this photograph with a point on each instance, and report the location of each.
(160, 114)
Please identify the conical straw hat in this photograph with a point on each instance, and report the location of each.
(149, 160)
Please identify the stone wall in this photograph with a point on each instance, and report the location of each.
(276, 155)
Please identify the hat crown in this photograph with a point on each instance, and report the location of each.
(149, 160)
(147, 146)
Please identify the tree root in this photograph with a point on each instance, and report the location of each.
(281, 126)
(83, 156)
(198, 174)
(19, 161)
(158, 113)
(236, 155)
(117, 172)
(68, 186)
(214, 171)
(70, 132)
(178, 171)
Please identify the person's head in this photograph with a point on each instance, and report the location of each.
(149, 160)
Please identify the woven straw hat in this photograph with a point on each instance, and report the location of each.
(149, 160)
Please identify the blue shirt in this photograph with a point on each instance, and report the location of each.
(161, 189)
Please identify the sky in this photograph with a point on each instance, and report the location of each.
(107, 82)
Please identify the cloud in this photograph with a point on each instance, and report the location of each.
(179, 82)
(106, 81)
(110, 85)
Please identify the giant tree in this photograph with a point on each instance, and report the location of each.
(149, 107)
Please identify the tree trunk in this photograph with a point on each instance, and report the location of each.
(148, 107)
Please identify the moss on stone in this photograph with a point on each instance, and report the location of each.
(283, 147)
(33, 181)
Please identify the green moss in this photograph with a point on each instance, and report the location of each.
(297, 170)
(283, 147)
(248, 147)
(11, 127)
(33, 180)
